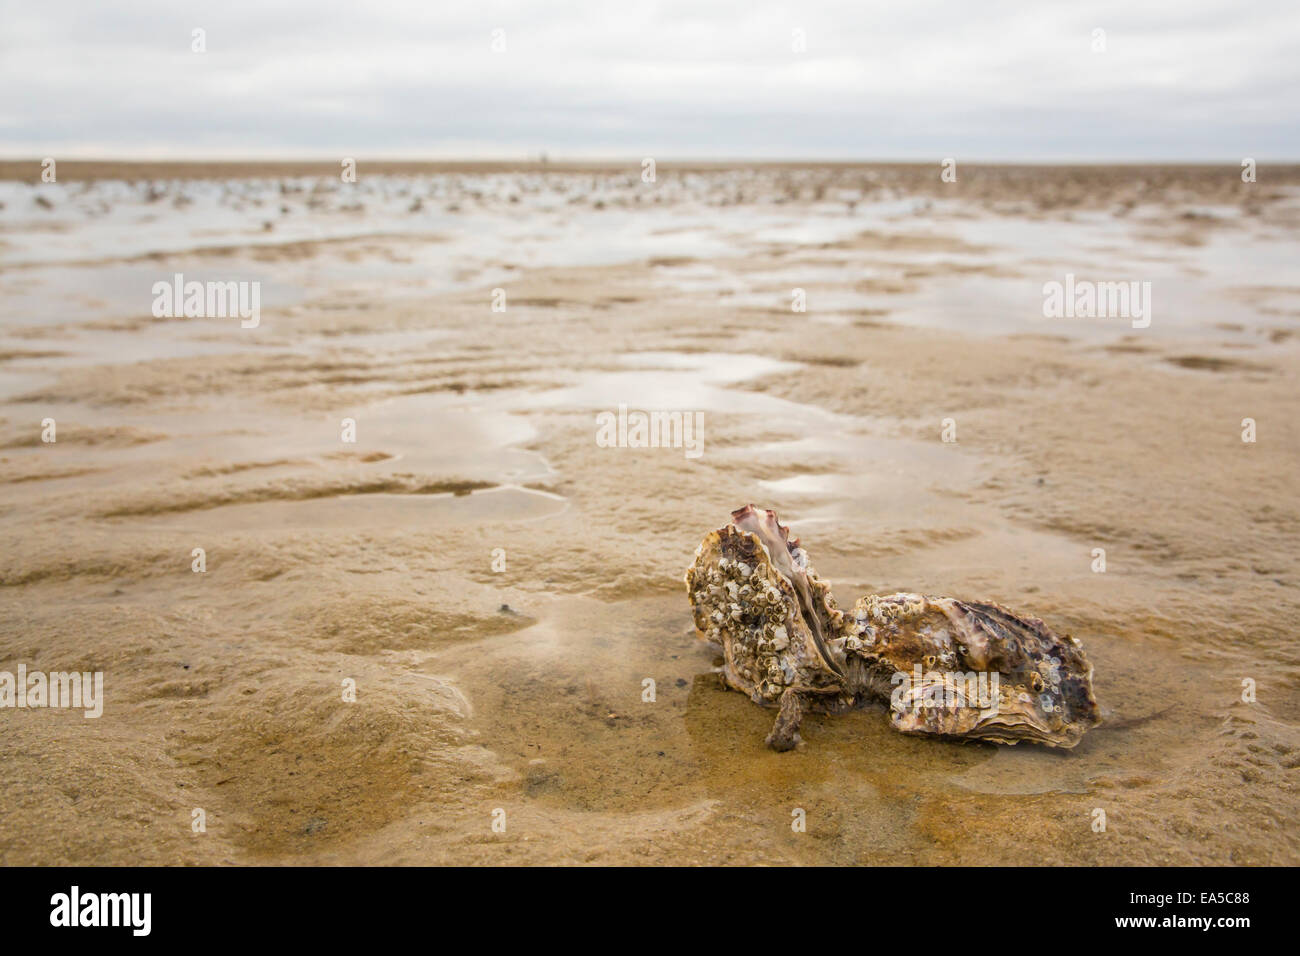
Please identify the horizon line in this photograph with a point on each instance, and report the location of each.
(661, 160)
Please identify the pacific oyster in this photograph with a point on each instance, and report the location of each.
(953, 668)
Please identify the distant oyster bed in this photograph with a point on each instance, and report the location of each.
(868, 242)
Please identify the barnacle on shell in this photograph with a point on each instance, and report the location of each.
(953, 668)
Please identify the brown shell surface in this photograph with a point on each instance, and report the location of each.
(741, 601)
(953, 668)
(1044, 683)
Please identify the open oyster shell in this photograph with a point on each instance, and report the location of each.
(953, 668)
(753, 591)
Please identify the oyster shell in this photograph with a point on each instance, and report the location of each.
(953, 668)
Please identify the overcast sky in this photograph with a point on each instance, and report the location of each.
(971, 79)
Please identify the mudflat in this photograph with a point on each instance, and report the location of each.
(398, 484)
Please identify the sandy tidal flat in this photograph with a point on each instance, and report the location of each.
(498, 586)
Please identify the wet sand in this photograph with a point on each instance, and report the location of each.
(482, 687)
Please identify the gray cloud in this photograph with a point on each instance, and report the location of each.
(1214, 79)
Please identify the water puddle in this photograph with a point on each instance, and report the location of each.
(366, 512)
